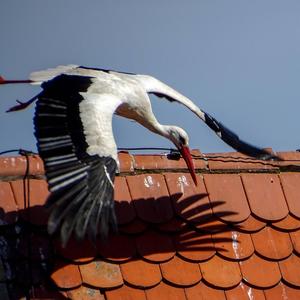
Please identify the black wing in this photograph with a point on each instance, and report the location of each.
(81, 186)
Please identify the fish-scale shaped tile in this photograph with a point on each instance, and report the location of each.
(135, 227)
(288, 223)
(174, 225)
(295, 238)
(290, 270)
(211, 225)
(38, 193)
(101, 274)
(118, 247)
(251, 224)
(125, 211)
(272, 244)
(201, 291)
(194, 246)
(150, 197)
(77, 251)
(181, 273)
(244, 292)
(8, 214)
(233, 244)
(140, 273)
(265, 196)
(264, 276)
(190, 202)
(65, 275)
(125, 293)
(282, 292)
(226, 194)
(165, 292)
(221, 273)
(291, 187)
(155, 247)
(85, 293)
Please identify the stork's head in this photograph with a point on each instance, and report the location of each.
(181, 140)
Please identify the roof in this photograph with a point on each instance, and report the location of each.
(234, 236)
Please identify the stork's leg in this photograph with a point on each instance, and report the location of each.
(22, 105)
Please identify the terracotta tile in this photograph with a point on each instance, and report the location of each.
(125, 211)
(282, 292)
(8, 209)
(244, 292)
(134, 227)
(179, 272)
(290, 270)
(288, 223)
(126, 162)
(101, 274)
(189, 201)
(117, 248)
(165, 292)
(211, 225)
(77, 251)
(201, 291)
(226, 194)
(295, 238)
(125, 293)
(221, 273)
(17, 165)
(233, 244)
(46, 292)
(174, 225)
(38, 193)
(83, 293)
(264, 276)
(66, 276)
(265, 196)
(140, 273)
(150, 197)
(149, 162)
(155, 247)
(290, 158)
(272, 244)
(237, 161)
(194, 246)
(199, 160)
(252, 224)
(291, 188)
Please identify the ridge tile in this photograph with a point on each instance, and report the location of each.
(221, 273)
(265, 196)
(8, 210)
(126, 162)
(264, 276)
(180, 273)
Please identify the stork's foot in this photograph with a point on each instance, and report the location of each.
(22, 105)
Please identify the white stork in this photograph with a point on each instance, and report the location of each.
(73, 127)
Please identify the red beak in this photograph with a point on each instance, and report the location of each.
(186, 154)
(4, 81)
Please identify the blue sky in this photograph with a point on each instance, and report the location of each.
(238, 60)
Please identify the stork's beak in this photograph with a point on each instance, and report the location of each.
(186, 154)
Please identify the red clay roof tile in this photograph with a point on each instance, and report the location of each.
(189, 201)
(295, 238)
(180, 273)
(291, 188)
(291, 158)
(234, 245)
(289, 223)
(166, 292)
(155, 247)
(264, 276)
(134, 227)
(252, 224)
(226, 194)
(272, 244)
(125, 293)
(221, 273)
(66, 276)
(101, 274)
(265, 196)
(290, 270)
(124, 208)
(150, 197)
(140, 273)
(126, 162)
(201, 291)
(194, 246)
(8, 209)
(85, 293)
(282, 292)
(244, 292)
